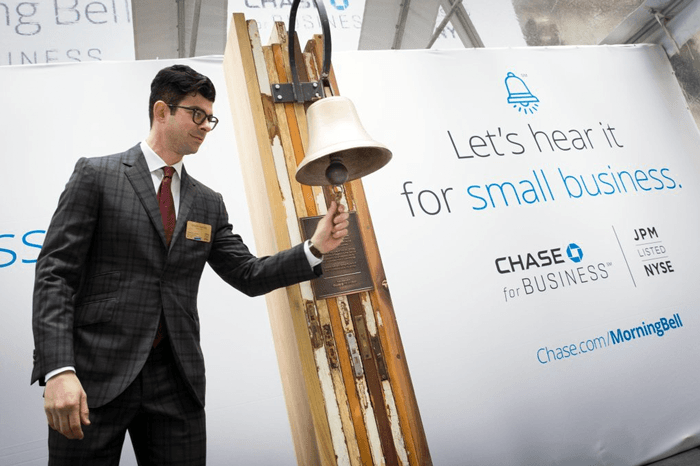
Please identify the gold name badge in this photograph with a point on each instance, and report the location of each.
(198, 231)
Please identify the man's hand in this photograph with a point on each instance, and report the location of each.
(65, 404)
(331, 230)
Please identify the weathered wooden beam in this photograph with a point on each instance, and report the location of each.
(341, 439)
(345, 377)
(295, 358)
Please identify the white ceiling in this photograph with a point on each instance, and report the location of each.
(161, 31)
(164, 28)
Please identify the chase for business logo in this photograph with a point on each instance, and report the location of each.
(554, 269)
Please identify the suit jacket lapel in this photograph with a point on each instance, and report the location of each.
(136, 171)
(188, 193)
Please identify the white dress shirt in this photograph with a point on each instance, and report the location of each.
(155, 166)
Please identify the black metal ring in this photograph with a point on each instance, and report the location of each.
(298, 94)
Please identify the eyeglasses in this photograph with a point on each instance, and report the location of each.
(199, 115)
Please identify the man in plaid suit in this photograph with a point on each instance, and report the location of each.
(115, 320)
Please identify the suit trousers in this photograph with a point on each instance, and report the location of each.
(165, 423)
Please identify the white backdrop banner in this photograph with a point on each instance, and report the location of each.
(50, 31)
(538, 226)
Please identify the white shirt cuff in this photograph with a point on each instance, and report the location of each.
(313, 260)
(58, 371)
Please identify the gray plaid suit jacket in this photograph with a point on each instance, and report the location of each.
(104, 275)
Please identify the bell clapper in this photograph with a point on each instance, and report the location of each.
(336, 174)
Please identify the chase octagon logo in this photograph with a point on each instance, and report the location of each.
(340, 5)
(574, 253)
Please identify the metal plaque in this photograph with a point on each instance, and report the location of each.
(345, 269)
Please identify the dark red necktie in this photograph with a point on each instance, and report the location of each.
(167, 214)
(166, 204)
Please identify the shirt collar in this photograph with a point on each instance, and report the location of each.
(154, 161)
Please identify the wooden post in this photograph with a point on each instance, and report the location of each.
(338, 415)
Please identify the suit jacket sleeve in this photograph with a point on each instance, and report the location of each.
(59, 270)
(233, 262)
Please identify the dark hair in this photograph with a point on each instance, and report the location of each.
(174, 83)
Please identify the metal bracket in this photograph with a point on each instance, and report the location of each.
(355, 356)
(284, 92)
(304, 92)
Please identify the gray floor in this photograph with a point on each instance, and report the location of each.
(687, 458)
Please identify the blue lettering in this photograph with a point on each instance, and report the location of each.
(668, 178)
(12, 254)
(503, 193)
(661, 183)
(659, 330)
(469, 191)
(26, 242)
(616, 338)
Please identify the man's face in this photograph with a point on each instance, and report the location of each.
(183, 135)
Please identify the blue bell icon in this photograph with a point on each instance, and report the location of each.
(519, 94)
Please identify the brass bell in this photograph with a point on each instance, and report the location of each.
(339, 148)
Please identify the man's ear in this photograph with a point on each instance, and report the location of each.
(160, 111)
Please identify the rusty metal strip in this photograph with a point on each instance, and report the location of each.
(356, 409)
(376, 392)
